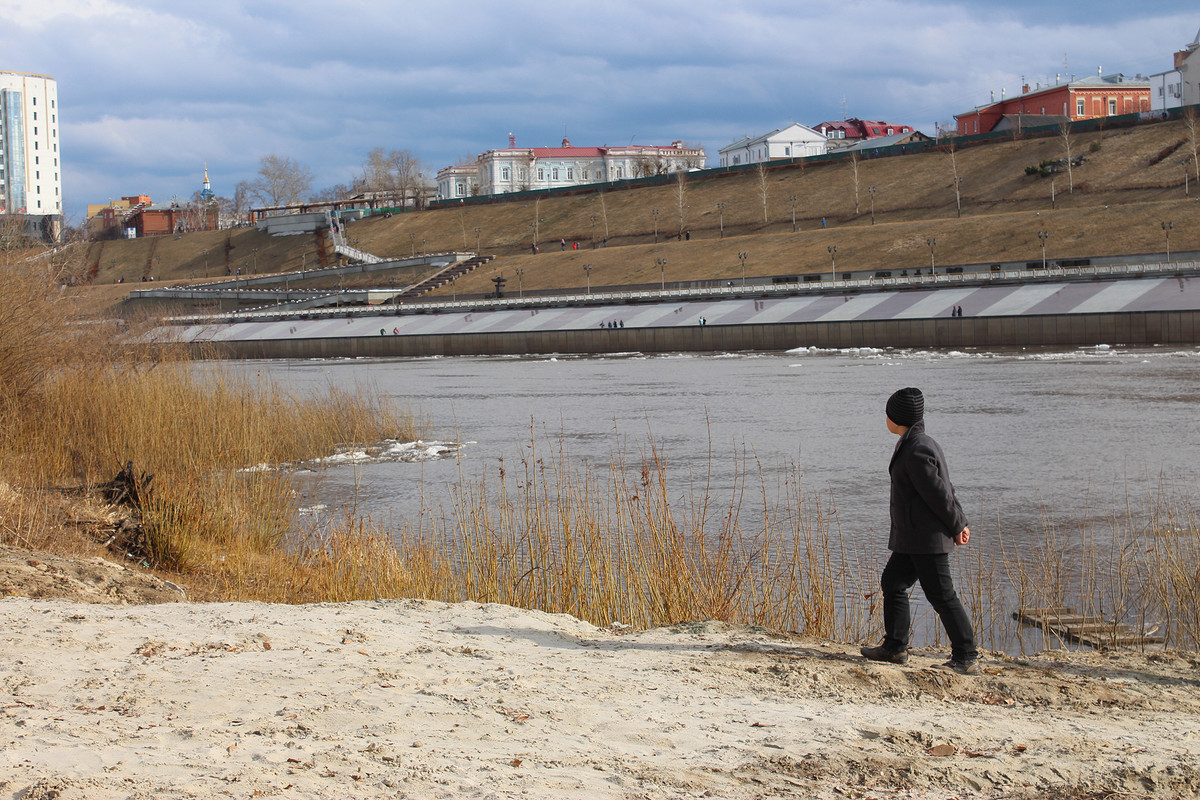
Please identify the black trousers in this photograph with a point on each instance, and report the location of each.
(932, 570)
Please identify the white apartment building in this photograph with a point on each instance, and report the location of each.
(517, 169)
(794, 141)
(30, 171)
(1181, 86)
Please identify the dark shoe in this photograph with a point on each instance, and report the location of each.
(963, 667)
(883, 654)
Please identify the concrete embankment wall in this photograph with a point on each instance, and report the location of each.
(1142, 328)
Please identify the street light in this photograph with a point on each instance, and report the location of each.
(424, 252)
(662, 268)
(793, 199)
(1043, 236)
(476, 240)
(412, 240)
(520, 282)
(932, 263)
(654, 213)
(593, 231)
(832, 250)
(871, 191)
(1166, 226)
(255, 260)
(721, 217)
(587, 268)
(743, 257)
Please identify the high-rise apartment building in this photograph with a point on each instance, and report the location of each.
(30, 171)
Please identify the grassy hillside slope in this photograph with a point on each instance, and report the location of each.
(1131, 182)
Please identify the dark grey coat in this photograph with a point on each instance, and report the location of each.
(925, 514)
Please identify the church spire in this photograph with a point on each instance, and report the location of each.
(206, 194)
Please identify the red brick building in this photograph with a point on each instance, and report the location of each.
(1086, 98)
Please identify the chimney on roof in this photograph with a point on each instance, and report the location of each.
(1002, 92)
(1025, 89)
(993, 95)
(1100, 71)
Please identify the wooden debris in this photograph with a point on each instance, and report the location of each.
(1089, 631)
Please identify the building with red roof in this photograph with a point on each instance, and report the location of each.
(845, 132)
(1085, 98)
(515, 169)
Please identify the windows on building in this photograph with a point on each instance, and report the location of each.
(554, 173)
(505, 175)
(541, 173)
(1112, 107)
(570, 174)
(1080, 107)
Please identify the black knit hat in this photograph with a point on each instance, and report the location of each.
(906, 407)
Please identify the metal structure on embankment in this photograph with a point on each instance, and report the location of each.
(1134, 304)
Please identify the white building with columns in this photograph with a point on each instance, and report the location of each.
(517, 169)
(30, 172)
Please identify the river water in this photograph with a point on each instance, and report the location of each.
(1025, 432)
(1031, 436)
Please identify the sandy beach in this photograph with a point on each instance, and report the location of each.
(417, 699)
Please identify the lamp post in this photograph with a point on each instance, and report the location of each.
(587, 268)
(743, 257)
(721, 217)
(932, 262)
(654, 213)
(412, 241)
(793, 199)
(424, 251)
(255, 251)
(1166, 227)
(832, 250)
(1043, 236)
(871, 191)
(520, 282)
(593, 231)
(662, 269)
(476, 240)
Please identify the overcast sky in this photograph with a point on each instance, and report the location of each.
(151, 91)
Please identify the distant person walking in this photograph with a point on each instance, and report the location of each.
(927, 523)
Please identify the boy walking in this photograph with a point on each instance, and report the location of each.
(927, 524)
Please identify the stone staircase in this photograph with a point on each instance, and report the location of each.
(443, 276)
(342, 249)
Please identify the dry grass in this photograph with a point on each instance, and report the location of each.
(78, 402)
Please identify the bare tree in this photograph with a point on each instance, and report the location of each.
(681, 182)
(1191, 118)
(339, 191)
(1064, 131)
(603, 214)
(394, 175)
(854, 159)
(953, 151)
(762, 188)
(281, 181)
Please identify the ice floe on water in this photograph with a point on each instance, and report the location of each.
(388, 450)
(1105, 351)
